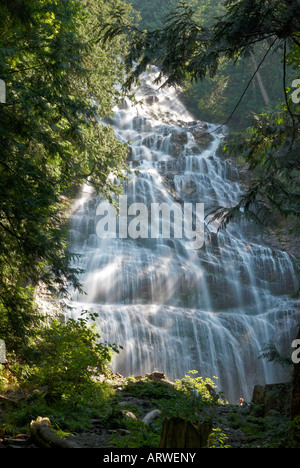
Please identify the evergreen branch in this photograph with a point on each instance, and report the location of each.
(248, 85)
(286, 97)
(271, 353)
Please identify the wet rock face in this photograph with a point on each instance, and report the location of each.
(151, 99)
(178, 140)
(141, 124)
(201, 136)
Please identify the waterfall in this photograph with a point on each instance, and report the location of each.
(171, 307)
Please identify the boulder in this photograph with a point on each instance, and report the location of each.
(201, 136)
(178, 140)
(151, 99)
(129, 415)
(141, 124)
(159, 377)
(152, 415)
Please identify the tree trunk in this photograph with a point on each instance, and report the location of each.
(181, 433)
(42, 435)
(260, 82)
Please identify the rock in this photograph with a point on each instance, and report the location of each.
(193, 123)
(123, 105)
(129, 414)
(150, 100)
(123, 432)
(152, 415)
(142, 124)
(273, 397)
(130, 154)
(147, 90)
(16, 442)
(159, 377)
(178, 140)
(213, 238)
(156, 375)
(201, 136)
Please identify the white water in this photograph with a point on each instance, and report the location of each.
(171, 308)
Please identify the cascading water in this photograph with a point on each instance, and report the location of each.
(173, 308)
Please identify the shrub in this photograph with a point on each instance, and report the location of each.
(218, 439)
(70, 357)
(203, 389)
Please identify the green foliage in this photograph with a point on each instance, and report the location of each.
(18, 314)
(217, 439)
(66, 361)
(271, 353)
(270, 147)
(295, 431)
(140, 436)
(153, 13)
(188, 47)
(61, 80)
(186, 398)
(195, 48)
(68, 414)
(69, 357)
(191, 396)
(181, 399)
(214, 98)
(3, 378)
(100, 401)
(148, 388)
(197, 386)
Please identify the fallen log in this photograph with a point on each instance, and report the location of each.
(42, 435)
(5, 399)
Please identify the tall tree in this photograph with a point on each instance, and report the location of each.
(61, 80)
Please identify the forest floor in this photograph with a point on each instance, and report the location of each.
(97, 437)
(240, 427)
